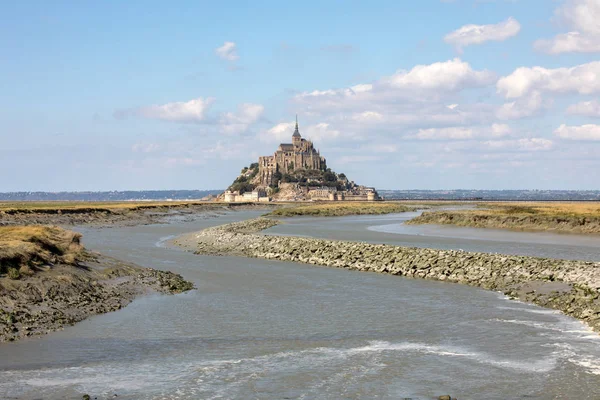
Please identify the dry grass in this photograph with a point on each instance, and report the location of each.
(333, 209)
(576, 217)
(33, 206)
(575, 209)
(24, 248)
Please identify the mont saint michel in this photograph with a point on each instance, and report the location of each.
(300, 200)
(298, 172)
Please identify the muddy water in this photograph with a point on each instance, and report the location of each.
(272, 330)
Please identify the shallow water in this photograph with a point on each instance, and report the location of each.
(271, 330)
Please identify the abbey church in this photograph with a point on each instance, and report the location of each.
(295, 172)
(290, 157)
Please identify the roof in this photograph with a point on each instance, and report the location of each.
(286, 146)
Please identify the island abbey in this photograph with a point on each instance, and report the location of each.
(295, 172)
(290, 157)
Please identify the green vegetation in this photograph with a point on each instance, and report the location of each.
(334, 209)
(314, 177)
(243, 182)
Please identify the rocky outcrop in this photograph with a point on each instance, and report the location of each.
(572, 287)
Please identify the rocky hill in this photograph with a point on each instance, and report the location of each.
(291, 185)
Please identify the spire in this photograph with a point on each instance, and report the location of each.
(296, 131)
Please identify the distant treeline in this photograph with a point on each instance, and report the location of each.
(109, 196)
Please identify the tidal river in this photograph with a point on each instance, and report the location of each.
(259, 329)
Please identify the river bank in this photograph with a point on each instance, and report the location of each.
(569, 286)
(106, 215)
(582, 218)
(48, 280)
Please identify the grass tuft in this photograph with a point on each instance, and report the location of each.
(25, 248)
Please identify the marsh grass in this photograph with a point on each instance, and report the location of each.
(334, 209)
(25, 248)
(575, 209)
(576, 217)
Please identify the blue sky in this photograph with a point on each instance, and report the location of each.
(435, 94)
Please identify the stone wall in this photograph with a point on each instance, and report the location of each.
(570, 286)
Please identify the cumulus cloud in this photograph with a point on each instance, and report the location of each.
(582, 17)
(461, 132)
(570, 42)
(432, 79)
(192, 111)
(320, 132)
(585, 108)
(582, 79)
(524, 107)
(238, 122)
(583, 132)
(477, 34)
(228, 51)
(278, 133)
(451, 75)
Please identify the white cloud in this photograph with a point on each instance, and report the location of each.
(524, 107)
(570, 42)
(278, 133)
(238, 122)
(586, 108)
(500, 130)
(476, 34)
(192, 111)
(228, 51)
(461, 132)
(421, 81)
(525, 144)
(582, 17)
(451, 75)
(320, 132)
(583, 132)
(582, 79)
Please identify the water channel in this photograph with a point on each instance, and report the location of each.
(258, 329)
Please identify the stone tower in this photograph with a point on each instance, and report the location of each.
(296, 137)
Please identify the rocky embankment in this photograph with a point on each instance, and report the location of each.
(572, 287)
(48, 280)
(533, 222)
